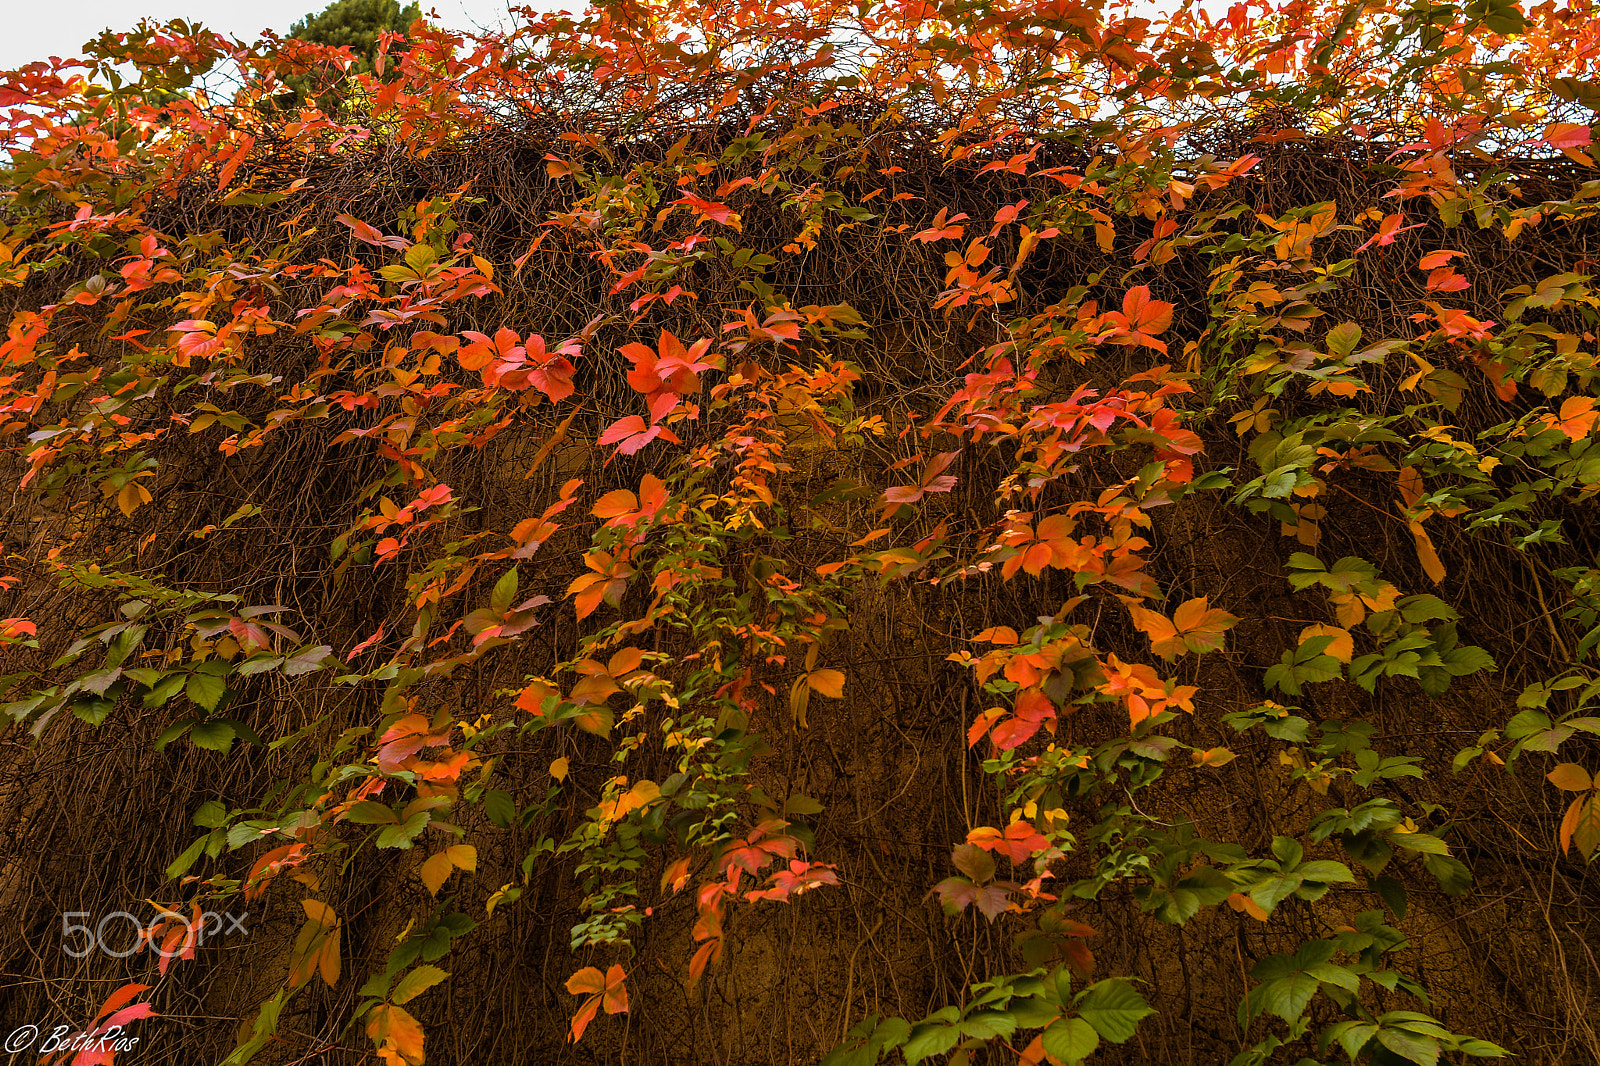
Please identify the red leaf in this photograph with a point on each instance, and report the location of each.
(1144, 314)
(369, 235)
(720, 213)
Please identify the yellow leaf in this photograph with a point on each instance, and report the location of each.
(799, 702)
(485, 267)
(417, 982)
(463, 857)
(1570, 777)
(1212, 757)
(829, 683)
(558, 769)
(498, 895)
(132, 497)
(435, 872)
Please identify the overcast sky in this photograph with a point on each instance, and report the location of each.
(37, 30)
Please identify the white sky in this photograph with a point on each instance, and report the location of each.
(38, 29)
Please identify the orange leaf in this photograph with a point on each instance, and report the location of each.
(1567, 135)
(612, 504)
(532, 697)
(1569, 823)
(676, 875)
(1434, 260)
(624, 661)
(1201, 626)
(708, 952)
(1577, 417)
(606, 989)
(594, 689)
(616, 993)
(316, 949)
(588, 980)
(397, 1034)
(1155, 625)
(829, 683)
(1426, 554)
(1342, 647)
(1581, 826)
(1241, 902)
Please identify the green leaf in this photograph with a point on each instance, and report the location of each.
(1422, 1050)
(1113, 1008)
(500, 807)
(1426, 843)
(93, 710)
(211, 815)
(1275, 889)
(1071, 1040)
(1286, 997)
(205, 690)
(988, 1024)
(1482, 1049)
(505, 590)
(371, 812)
(1325, 871)
(417, 982)
(259, 663)
(266, 1024)
(1453, 875)
(1033, 1012)
(1353, 1036)
(213, 736)
(167, 688)
(928, 1041)
(306, 660)
(1393, 893)
(1342, 340)
(242, 834)
(181, 864)
(401, 836)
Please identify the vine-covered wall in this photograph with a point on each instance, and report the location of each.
(726, 534)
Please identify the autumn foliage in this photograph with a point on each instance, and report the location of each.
(1025, 533)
